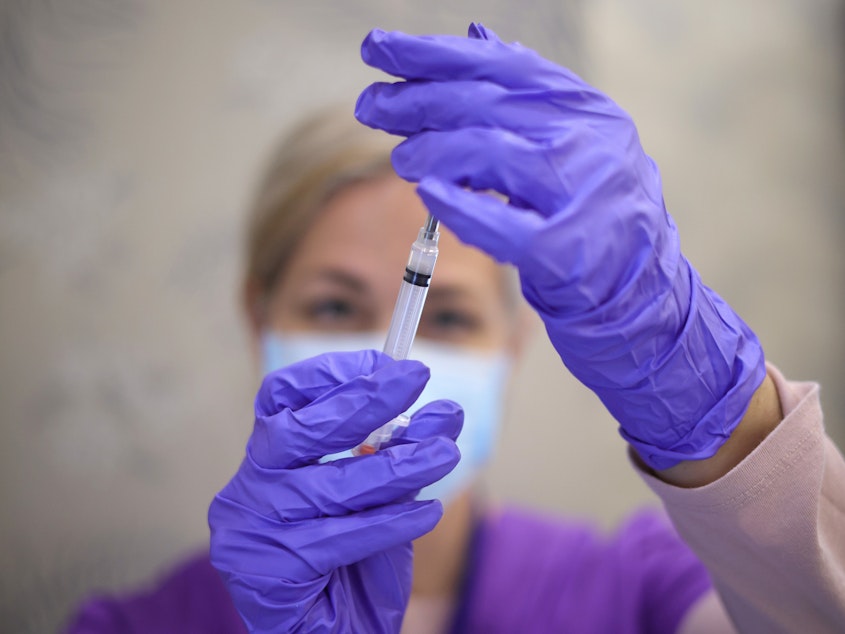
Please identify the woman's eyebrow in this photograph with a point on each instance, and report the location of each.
(449, 291)
(339, 277)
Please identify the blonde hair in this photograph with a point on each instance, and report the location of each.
(325, 153)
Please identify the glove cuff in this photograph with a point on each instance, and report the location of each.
(717, 366)
(678, 374)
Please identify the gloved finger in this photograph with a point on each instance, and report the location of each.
(343, 486)
(487, 159)
(254, 544)
(481, 220)
(328, 544)
(406, 108)
(449, 58)
(382, 580)
(338, 419)
(478, 31)
(438, 418)
(300, 383)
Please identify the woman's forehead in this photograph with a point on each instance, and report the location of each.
(375, 223)
(380, 209)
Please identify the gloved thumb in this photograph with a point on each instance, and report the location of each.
(438, 418)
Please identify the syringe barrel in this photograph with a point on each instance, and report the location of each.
(412, 293)
(405, 320)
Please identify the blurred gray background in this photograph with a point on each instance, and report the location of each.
(131, 133)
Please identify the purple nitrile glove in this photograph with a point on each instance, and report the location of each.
(309, 546)
(598, 255)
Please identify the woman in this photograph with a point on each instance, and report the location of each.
(307, 538)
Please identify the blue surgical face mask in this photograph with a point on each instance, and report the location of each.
(475, 380)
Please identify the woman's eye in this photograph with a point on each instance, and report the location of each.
(331, 310)
(451, 322)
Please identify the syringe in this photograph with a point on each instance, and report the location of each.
(406, 319)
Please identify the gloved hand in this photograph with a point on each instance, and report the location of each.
(305, 546)
(585, 224)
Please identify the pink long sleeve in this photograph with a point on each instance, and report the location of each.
(772, 531)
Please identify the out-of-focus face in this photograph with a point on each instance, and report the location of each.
(345, 275)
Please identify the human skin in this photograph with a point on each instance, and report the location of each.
(762, 416)
(345, 273)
